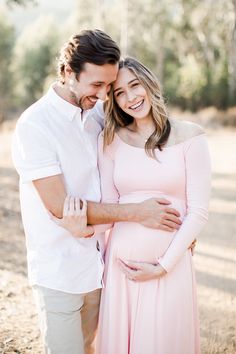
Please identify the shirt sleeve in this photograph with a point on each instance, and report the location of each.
(106, 170)
(33, 155)
(198, 182)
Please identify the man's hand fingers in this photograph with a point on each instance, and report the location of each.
(170, 224)
(166, 228)
(172, 212)
(173, 218)
(162, 201)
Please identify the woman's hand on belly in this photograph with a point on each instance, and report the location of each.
(141, 271)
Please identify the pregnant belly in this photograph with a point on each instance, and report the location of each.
(132, 241)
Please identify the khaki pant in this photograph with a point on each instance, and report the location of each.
(68, 322)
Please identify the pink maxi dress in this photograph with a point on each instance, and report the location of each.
(158, 316)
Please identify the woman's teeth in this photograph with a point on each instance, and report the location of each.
(137, 105)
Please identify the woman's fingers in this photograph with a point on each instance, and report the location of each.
(66, 205)
(129, 272)
(192, 246)
(133, 265)
(77, 206)
(89, 231)
(123, 266)
(84, 207)
(71, 206)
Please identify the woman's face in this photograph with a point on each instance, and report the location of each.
(130, 95)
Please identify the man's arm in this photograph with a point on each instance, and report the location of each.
(52, 193)
(153, 213)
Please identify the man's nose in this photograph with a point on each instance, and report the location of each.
(102, 93)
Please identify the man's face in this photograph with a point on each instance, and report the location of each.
(93, 83)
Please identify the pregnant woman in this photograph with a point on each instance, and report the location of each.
(148, 305)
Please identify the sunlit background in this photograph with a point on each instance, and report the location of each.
(191, 46)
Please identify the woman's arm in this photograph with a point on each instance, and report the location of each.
(198, 183)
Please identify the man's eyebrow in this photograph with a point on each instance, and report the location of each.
(130, 82)
(98, 82)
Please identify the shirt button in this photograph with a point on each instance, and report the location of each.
(98, 246)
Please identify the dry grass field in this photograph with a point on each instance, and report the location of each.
(215, 257)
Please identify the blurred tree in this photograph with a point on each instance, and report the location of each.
(186, 42)
(189, 44)
(103, 14)
(7, 38)
(34, 60)
(20, 2)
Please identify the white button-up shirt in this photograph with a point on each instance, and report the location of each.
(51, 139)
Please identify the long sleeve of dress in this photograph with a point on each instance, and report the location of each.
(108, 189)
(198, 181)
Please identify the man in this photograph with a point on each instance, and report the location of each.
(55, 154)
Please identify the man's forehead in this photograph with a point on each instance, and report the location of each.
(100, 73)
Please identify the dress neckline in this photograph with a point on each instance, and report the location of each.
(163, 148)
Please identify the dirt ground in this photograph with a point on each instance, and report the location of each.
(215, 257)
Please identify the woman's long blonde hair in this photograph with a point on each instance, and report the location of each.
(115, 118)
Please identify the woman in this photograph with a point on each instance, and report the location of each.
(149, 304)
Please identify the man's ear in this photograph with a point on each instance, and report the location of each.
(68, 69)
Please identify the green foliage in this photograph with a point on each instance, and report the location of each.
(189, 44)
(34, 60)
(7, 37)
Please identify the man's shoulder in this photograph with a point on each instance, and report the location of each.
(35, 113)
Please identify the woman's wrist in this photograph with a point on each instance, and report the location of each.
(159, 270)
(86, 232)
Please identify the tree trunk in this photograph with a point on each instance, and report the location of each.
(160, 58)
(100, 14)
(124, 28)
(232, 62)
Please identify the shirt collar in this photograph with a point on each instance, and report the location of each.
(66, 108)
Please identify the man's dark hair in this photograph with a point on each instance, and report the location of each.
(89, 46)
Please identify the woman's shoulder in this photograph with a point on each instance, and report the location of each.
(182, 131)
(109, 149)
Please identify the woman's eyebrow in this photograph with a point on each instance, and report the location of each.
(130, 82)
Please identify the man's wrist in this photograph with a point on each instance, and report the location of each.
(134, 212)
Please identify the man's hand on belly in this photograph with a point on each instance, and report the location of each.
(157, 214)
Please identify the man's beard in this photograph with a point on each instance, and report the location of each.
(76, 100)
